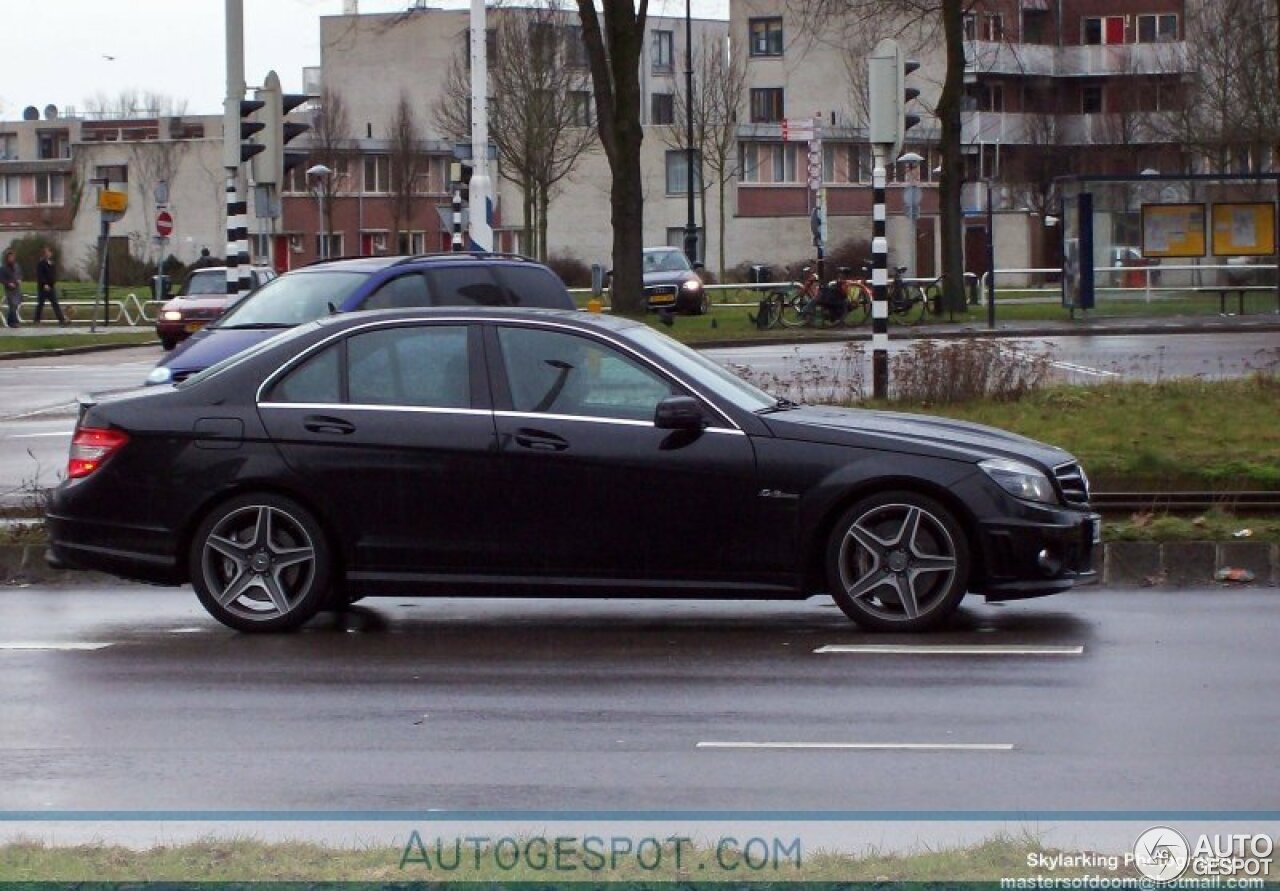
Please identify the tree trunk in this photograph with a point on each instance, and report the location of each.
(720, 246)
(949, 188)
(544, 200)
(530, 247)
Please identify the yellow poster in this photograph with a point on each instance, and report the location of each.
(1173, 230)
(1244, 229)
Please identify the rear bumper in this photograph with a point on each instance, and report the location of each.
(144, 555)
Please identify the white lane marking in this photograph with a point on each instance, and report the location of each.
(186, 630)
(886, 746)
(950, 650)
(29, 645)
(1085, 369)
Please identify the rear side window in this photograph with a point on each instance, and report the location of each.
(467, 286)
(403, 292)
(534, 286)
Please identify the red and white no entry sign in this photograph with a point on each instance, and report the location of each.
(164, 224)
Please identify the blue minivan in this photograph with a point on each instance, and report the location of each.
(347, 285)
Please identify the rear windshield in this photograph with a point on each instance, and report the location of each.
(206, 283)
(293, 299)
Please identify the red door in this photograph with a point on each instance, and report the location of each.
(280, 254)
(1115, 29)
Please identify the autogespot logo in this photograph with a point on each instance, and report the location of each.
(1161, 854)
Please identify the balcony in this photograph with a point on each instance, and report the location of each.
(996, 128)
(15, 167)
(1033, 60)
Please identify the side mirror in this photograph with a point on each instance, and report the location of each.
(679, 413)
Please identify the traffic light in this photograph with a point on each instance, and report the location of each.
(249, 148)
(272, 167)
(889, 94)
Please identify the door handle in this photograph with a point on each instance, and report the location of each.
(540, 441)
(327, 424)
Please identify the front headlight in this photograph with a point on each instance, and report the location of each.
(692, 285)
(171, 315)
(1020, 480)
(160, 375)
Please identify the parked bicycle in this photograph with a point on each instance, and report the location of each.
(844, 301)
(907, 300)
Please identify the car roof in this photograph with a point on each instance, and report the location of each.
(577, 318)
(373, 264)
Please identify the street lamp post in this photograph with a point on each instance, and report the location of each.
(691, 224)
(320, 174)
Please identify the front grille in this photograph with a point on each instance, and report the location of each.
(1073, 482)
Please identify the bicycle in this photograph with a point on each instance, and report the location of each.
(907, 301)
(805, 306)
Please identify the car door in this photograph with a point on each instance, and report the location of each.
(391, 428)
(591, 487)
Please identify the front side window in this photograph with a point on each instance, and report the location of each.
(293, 299)
(766, 37)
(766, 105)
(553, 372)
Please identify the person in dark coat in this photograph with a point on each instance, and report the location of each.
(205, 260)
(46, 280)
(11, 283)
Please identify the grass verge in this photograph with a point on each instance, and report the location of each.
(59, 339)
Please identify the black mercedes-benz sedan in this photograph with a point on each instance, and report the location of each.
(527, 452)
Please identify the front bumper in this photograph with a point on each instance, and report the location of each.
(1033, 557)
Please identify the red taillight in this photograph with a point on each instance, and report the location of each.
(90, 447)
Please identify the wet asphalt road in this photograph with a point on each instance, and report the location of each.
(505, 704)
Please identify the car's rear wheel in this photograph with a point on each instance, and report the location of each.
(261, 563)
(897, 561)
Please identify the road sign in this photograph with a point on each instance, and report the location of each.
(111, 201)
(164, 224)
(799, 130)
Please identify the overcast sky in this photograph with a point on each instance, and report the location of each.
(66, 52)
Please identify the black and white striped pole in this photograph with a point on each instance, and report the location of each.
(237, 148)
(887, 94)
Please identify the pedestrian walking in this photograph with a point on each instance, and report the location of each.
(11, 282)
(205, 261)
(46, 281)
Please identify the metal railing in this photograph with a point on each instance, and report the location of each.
(129, 310)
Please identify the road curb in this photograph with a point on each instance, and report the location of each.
(75, 350)
(1125, 564)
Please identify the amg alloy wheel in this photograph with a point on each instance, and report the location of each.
(897, 561)
(260, 563)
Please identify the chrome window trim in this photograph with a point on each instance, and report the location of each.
(591, 419)
(363, 406)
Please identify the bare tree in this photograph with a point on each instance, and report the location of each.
(331, 147)
(154, 162)
(408, 163)
(540, 120)
(133, 103)
(720, 77)
(613, 50)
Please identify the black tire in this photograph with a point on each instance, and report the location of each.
(795, 311)
(168, 343)
(897, 561)
(704, 305)
(260, 562)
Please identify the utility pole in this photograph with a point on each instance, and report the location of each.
(691, 224)
(480, 186)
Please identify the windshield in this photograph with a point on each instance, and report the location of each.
(666, 261)
(293, 299)
(700, 370)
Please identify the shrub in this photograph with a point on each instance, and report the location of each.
(572, 271)
(933, 373)
(27, 252)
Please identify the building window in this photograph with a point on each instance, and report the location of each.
(1091, 100)
(433, 179)
(1157, 28)
(1098, 30)
(766, 105)
(766, 37)
(678, 172)
(412, 243)
(490, 45)
(575, 48)
(675, 239)
(772, 162)
(662, 108)
(54, 145)
(970, 26)
(8, 146)
(335, 245)
(662, 49)
(580, 108)
(115, 174)
(377, 174)
(992, 27)
(985, 97)
(846, 163)
(8, 191)
(50, 188)
(260, 247)
(1035, 26)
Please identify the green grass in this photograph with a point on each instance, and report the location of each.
(1176, 435)
(1214, 525)
(60, 339)
(241, 860)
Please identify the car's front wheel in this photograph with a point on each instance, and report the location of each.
(260, 563)
(897, 561)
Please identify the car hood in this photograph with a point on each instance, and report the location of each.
(211, 345)
(202, 301)
(915, 434)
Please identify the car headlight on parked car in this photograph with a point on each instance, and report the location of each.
(160, 375)
(171, 315)
(692, 285)
(1020, 480)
